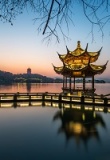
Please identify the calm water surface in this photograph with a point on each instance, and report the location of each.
(41, 132)
(49, 87)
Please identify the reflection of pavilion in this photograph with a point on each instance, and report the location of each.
(78, 124)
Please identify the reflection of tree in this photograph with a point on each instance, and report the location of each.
(28, 85)
(78, 124)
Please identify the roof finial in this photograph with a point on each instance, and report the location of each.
(100, 50)
(78, 44)
(86, 47)
(107, 62)
(67, 49)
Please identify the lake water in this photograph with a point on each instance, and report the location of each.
(52, 133)
(103, 88)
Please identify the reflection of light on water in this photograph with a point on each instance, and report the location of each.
(76, 106)
(55, 104)
(52, 87)
(48, 104)
(67, 106)
(62, 111)
(83, 116)
(36, 103)
(78, 128)
(23, 104)
(108, 109)
(72, 106)
(94, 114)
(89, 108)
(18, 87)
(99, 109)
(6, 105)
(75, 127)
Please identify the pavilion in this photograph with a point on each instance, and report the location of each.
(79, 64)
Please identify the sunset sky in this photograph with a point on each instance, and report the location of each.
(21, 46)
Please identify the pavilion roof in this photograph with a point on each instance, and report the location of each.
(80, 70)
(80, 54)
(78, 63)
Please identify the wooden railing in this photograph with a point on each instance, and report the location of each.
(54, 97)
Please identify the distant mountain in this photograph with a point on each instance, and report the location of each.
(7, 78)
(105, 79)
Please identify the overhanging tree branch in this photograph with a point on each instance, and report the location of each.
(53, 14)
(49, 16)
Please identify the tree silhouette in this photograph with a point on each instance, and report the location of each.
(53, 14)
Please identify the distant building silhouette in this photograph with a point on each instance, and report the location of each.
(29, 71)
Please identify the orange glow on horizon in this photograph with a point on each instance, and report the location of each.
(49, 72)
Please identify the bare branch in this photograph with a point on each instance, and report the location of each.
(53, 14)
(48, 18)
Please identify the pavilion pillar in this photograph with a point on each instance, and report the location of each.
(84, 83)
(70, 84)
(66, 83)
(93, 83)
(63, 82)
(74, 83)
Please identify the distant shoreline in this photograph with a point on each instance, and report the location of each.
(45, 83)
(9, 78)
